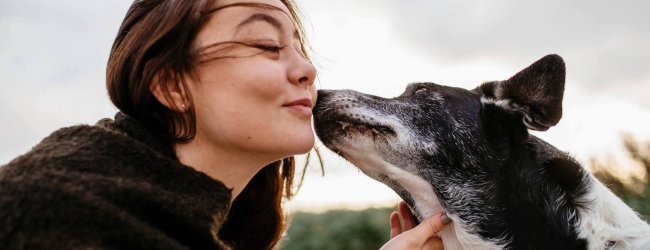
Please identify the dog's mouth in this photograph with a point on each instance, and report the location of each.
(341, 117)
(358, 127)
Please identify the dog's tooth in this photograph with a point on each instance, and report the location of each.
(375, 131)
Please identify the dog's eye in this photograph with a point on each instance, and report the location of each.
(420, 90)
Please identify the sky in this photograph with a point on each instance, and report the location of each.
(53, 57)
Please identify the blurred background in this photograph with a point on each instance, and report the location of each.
(53, 56)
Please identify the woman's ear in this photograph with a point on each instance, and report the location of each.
(171, 94)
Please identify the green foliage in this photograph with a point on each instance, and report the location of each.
(339, 229)
(636, 193)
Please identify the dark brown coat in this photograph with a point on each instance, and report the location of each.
(109, 186)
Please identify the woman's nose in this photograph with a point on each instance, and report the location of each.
(302, 72)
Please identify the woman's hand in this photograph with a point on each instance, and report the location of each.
(422, 236)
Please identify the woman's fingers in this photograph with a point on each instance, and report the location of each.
(434, 243)
(407, 216)
(430, 226)
(395, 226)
(422, 236)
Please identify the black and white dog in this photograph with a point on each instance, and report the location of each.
(469, 153)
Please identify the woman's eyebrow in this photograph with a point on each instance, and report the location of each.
(261, 17)
(264, 17)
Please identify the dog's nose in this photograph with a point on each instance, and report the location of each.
(323, 93)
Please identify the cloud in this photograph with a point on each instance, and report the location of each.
(605, 43)
(52, 61)
(53, 56)
(378, 46)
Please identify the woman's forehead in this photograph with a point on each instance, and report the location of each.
(260, 4)
(234, 11)
(228, 17)
(276, 3)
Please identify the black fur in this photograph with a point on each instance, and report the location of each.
(532, 177)
(505, 184)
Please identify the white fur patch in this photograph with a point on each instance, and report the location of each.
(501, 103)
(498, 90)
(405, 136)
(507, 104)
(607, 219)
(362, 154)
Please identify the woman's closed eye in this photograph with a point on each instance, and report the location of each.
(269, 48)
(239, 49)
(267, 45)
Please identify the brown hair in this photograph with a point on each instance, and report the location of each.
(155, 43)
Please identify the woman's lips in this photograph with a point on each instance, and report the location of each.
(301, 106)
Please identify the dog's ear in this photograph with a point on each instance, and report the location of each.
(536, 92)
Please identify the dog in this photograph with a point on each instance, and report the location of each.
(469, 153)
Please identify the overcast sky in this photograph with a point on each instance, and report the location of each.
(53, 56)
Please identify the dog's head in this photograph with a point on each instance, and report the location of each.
(440, 139)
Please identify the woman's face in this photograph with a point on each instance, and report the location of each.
(253, 98)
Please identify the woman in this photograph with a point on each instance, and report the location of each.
(215, 98)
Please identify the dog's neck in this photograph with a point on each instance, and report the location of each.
(532, 198)
(512, 199)
(536, 186)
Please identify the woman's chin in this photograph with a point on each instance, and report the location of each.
(304, 148)
(301, 146)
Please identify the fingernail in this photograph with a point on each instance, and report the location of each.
(445, 219)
